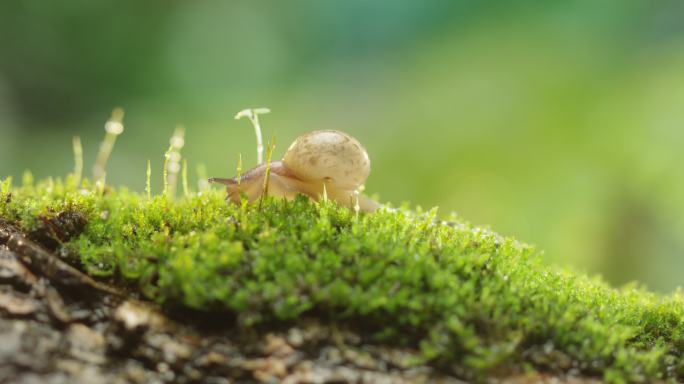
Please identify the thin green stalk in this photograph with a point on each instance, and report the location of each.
(148, 186)
(184, 176)
(253, 115)
(173, 161)
(78, 160)
(267, 172)
(165, 173)
(114, 127)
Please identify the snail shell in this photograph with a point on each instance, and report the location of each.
(332, 157)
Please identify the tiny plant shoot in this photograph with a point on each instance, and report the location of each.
(148, 184)
(78, 160)
(172, 164)
(113, 128)
(184, 176)
(253, 115)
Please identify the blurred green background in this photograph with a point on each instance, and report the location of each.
(561, 123)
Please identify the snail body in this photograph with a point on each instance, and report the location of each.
(318, 163)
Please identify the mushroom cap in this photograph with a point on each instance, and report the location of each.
(330, 156)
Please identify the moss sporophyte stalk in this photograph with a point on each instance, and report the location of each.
(472, 301)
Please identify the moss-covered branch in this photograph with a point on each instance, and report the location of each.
(473, 302)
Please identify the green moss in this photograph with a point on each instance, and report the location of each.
(471, 300)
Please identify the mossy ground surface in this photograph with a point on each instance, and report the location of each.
(473, 302)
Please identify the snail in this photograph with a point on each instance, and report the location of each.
(319, 164)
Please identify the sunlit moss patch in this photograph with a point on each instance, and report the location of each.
(472, 301)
